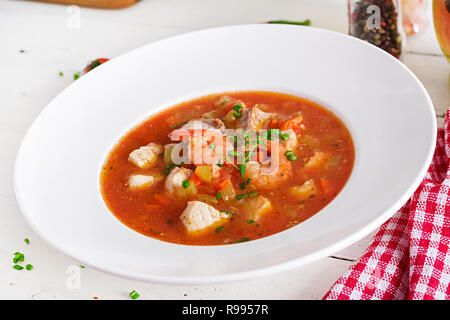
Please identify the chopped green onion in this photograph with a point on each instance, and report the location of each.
(82, 267)
(178, 125)
(18, 257)
(237, 114)
(244, 184)
(243, 240)
(284, 136)
(237, 107)
(252, 194)
(17, 267)
(134, 295)
(227, 212)
(76, 76)
(218, 195)
(292, 157)
(219, 229)
(306, 22)
(241, 196)
(220, 163)
(242, 168)
(27, 241)
(185, 184)
(288, 152)
(212, 146)
(29, 267)
(61, 74)
(250, 221)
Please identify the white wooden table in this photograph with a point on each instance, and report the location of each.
(39, 40)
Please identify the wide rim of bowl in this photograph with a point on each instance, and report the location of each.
(256, 272)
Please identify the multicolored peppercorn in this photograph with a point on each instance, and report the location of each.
(386, 35)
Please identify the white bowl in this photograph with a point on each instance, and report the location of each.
(386, 108)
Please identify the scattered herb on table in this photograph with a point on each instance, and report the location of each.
(134, 295)
(17, 267)
(27, 241)
(29, 267)
(306, 22)
(76, 76)
(61, 74)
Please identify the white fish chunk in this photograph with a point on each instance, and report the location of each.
(137, 181)
(174, 180)
(199, 216)
(146, 156)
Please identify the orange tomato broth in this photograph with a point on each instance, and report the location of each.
(157, 216)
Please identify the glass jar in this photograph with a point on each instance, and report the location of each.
(441, 18)
(414, 16)
(378, 22)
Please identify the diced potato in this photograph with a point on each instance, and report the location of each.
(318, 159)
(199, 216)
(146, 156)
(138, 181)
(303, 192)
(227, 192)
(204, 173)
(256, 207)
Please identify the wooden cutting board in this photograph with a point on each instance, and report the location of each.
(104, 4)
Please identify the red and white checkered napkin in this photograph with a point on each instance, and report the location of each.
(409, 257)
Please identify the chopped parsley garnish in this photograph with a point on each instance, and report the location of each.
(134, 295)
(17, 267)
(218, 195)
(241, 196)
(27, 241)
(250, 221)
(185, 184)
(243, 240)
(219, 229)
(29, 267)
(284, 136)
(252, 194)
